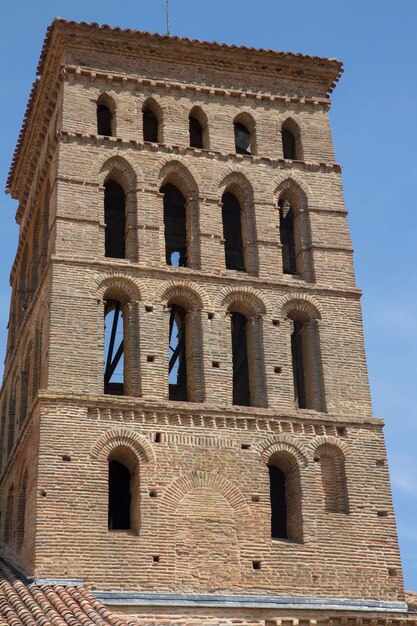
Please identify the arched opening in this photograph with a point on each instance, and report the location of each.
(115, 220)
(242, 139)
(240, 363)
(105, 116)
(287, 237)
(232, 232)
(291, 140)
(196, 133)
(175, 223)
(150, 124)
(177, 353)
(21, 512)
(288, 144)
(285, 497)
(306, 362)
(277, 489)
(298, 364)
(119, 489)
(113, 348)
(332, 478)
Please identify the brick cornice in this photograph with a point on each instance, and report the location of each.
(191, 88)
(192, 274)
(230, 157)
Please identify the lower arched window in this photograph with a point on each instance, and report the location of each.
(120, 498)
(285, 497)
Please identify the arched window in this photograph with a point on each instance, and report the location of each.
(113, 348)
(105, 116)
(240, 364)
(177, 354)
(21, 511)
(8, 522)
(298, 364)
(119, 511)
(242, 139)
(278, 503)
(332, 478)
(175, 224)
(306, 362)
(291, 141)
(151, 130)
(232, 232)
(196, 133)
(287, 237)
(285, 496)
(198, 128)
(115, 220)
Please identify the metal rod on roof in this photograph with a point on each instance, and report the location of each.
(167, 17)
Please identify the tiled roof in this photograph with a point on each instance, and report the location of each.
(30, 604)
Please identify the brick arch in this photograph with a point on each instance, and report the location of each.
(156, 105)
(118, 169)
(294, 189)
(237, 183)
(333, 445)
(246, 118)
(187, 291)
(176, 173)
(120, 285)
(138, 444)
(303, 304)
(248, 300)
(179, 488)
(108, 98)
(284, 443)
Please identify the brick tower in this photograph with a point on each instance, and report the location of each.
(186, 423)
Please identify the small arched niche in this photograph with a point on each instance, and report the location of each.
(291, 140)
(152, 121)
(198, 128)
(106, 116)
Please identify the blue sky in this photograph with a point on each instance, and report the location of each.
(374, 128)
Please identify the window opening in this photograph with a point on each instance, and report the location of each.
(286, 232)
(177, 354)
(232, 232)
(277, 489)
(115, 219)
(298, 364)
(241, 391)
(288, 144)
(104, 120)
(242, 139)
(175, 226)
(113, 349)
(196, 133)
(119, 517)
(150, 126)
